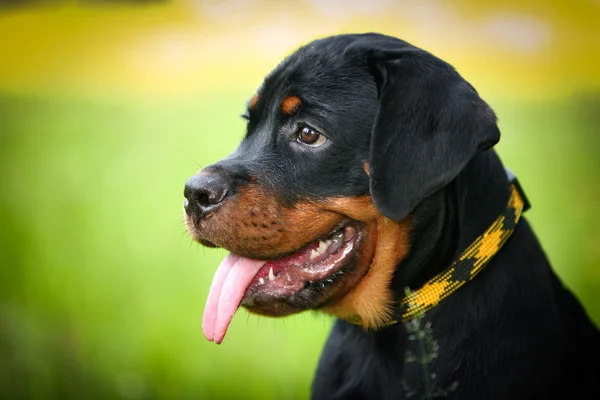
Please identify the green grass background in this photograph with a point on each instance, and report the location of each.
(101, 288)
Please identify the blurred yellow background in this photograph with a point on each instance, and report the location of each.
(107, 107)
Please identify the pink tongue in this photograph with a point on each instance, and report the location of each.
(229, 284)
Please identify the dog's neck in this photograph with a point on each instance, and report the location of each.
(447, 222)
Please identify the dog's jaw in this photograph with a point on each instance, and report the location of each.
(357, 289)
(370, 303)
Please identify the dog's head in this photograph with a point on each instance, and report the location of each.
(344, 139)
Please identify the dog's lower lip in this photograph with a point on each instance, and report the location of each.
(317, 263)
(207, 243)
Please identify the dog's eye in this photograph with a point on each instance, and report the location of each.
(310, 137)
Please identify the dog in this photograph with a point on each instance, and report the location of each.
(367, 187)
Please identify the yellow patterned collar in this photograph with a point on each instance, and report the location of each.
(470, 262)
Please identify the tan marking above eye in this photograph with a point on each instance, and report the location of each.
(253, 102)
(290, 105)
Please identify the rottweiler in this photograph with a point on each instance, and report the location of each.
(367, 187)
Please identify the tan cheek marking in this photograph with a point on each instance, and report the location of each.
(298, 225)
(370, 303)
(290, 105)
(358, 208)
(253, 102)
(254, 224)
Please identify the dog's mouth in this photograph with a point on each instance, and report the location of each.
(254, 283)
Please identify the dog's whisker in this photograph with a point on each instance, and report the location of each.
(267, 241)
(198, 164)
(267, 231)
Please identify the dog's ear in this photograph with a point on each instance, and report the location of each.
(430, 122)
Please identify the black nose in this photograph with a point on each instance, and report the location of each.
(204, 192)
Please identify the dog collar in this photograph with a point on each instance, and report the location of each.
(471, 261)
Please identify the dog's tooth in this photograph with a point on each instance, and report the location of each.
(271, 274)
(323, 245)
(314, 253)
(261, 281)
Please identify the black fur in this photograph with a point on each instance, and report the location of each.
(512, 333)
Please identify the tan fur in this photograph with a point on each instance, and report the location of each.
(290, 105)
(253, 102)
(254, 224)
(370, 302)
